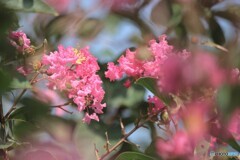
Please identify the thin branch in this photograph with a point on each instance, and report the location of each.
(19, 97)
(107, 142)
(96, 152)
(138, 125)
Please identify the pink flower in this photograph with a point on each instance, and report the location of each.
(23, 70)
(114, 72)
(60, 5)
(74, 71)
(234, 76)
(234, 124)
(127, 83)
(155, 105)
(87, 119)
(19, 40)
(179, 146)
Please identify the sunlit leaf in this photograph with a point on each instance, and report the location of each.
(16, 84)
(29, 6)
(133, 156)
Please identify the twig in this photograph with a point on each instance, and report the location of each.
(19, 97)
(61, 107)
(107, 142)
(96, 152)
(138, 125)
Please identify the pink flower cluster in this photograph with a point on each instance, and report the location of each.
(19, 40)
(174, 71)
(74, 71)
(134, 66)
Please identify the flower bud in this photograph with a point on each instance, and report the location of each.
(165, 117)
(37, 65)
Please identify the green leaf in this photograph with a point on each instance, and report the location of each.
(117, 95)
(133, 156)
(5, 80)
(233, 143)
(17, 84)
(29, 6)
(150, 84)
(228, 99)
(6, 145)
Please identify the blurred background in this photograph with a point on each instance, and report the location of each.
(109, 27)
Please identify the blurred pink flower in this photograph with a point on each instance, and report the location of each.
(194, 118)
(234, 124)
(234, 77)
(59, 5)
(74, 71)
(127, 83)
(19, 40)
(179, 146)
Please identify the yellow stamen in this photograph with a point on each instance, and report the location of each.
(80, 55)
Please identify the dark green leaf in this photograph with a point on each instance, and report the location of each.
(29, 6)
(6, 145)
(133, 156)
(5, 80)
(228, 99)
(216, 32)
(118, 95)
(150, 84)
(31, 110)
(233, 143)
(28, 3)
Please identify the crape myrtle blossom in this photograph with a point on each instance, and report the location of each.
(74, 71)
(174, 71)
(19, 40)
(133, 66)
